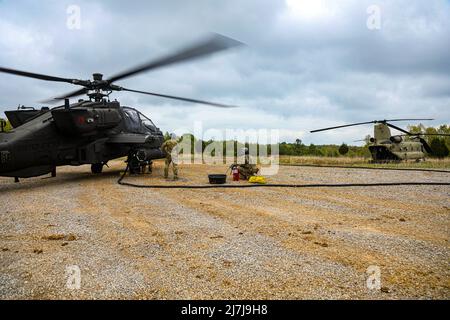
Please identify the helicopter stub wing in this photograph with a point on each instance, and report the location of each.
(130, 138)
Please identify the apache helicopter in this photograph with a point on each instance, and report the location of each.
(91, 131)
(385, 147)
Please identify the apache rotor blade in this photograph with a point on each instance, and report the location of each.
(214, 104)
(212, 45)
(343, 126)
(35, 75)
(67, 95)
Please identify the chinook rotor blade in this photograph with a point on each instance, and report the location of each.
(36, 75)
(426, 145)
(369, 122)
(390, 120)
(66, 96)
(398, 128)
(343, 126)
(427, 134)
(214, 44)
(214, 104)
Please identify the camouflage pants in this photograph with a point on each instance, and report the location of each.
(174, 166)
(247, 170)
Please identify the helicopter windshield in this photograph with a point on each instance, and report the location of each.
(136, 122)
(147, 122)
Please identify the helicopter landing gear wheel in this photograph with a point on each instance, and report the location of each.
(96, 168)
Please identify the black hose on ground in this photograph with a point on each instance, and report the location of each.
(370, 168)
(278, 185)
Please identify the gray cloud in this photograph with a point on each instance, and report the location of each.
(306, 65)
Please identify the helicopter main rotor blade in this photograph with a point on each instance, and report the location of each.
(404, 120)
(399, 129)
(426, 145)
(35, 75)
(66, 96)
(206, 47)
(427, 134)
(343, 126)
(368, 122)
(214, 104)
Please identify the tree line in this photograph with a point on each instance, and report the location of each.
(439, 145)
(4, 125)
(296, 148)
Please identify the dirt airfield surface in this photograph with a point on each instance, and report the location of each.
(256, 243)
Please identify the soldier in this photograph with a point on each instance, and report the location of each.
(147, 165)
(167, 147)
(134, 163)
(2, 125)
(247, 169)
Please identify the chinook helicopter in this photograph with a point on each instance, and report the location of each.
(95, 130)
(385, 147)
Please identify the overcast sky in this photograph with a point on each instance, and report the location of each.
(306, 64)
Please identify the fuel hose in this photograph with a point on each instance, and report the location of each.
(277, 185)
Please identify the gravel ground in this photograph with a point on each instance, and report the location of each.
(263, 243)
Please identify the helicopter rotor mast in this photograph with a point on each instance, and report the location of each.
(99, 86)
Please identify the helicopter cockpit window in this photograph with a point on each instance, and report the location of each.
(136, 122)
(147, 123)
(132, 120)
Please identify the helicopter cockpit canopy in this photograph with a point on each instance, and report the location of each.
(136, 122)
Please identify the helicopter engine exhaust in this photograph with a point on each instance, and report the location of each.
(396, 139)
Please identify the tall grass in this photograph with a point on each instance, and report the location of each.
(359, 162)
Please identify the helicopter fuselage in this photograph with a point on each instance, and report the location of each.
(396, 151)
(83, 133)
(386, 147)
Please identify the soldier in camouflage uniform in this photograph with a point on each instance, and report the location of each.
(247, 169)
(167, 147)
(2, 125)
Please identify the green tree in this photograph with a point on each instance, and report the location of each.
(439, 148)
(298, 147)
(4, 125)
(312, 149)
(166, 136)
(343, 149)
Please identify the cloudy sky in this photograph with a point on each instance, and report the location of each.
(306, 64)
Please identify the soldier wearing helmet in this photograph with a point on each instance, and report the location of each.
(168, 148)
(247, 169)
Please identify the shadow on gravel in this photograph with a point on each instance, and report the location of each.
(63, 179)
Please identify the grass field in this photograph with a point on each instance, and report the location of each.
(363, 162)
(337, 161)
